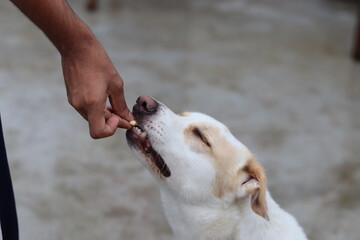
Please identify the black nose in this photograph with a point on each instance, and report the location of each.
(145, 104)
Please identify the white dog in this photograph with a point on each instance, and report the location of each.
(211, 185)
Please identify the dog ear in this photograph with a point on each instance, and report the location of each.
(256, 187)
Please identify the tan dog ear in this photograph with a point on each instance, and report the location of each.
(256, 187)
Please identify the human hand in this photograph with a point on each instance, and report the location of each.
(91, 79)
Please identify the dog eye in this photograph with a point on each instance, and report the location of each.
(198, 134)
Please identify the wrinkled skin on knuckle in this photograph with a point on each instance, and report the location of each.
(122, 110)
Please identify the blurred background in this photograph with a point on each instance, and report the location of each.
(278, 73)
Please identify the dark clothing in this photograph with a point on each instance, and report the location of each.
(8, 217)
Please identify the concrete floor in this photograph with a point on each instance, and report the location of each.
(276, 72)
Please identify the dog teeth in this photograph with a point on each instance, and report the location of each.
(137, 130)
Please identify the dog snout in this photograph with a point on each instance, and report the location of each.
(145, 105)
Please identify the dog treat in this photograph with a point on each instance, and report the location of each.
(133, 123)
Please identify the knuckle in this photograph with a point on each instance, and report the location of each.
(75, 102)
(118, 85)
(124, 111)
(80, 103)
(96, 134)
(90, 101)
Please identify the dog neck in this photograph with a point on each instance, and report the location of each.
(213, 220)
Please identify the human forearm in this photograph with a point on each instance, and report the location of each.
(59, 23)
(90, 77)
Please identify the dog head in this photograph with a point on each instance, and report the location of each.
(195, 156)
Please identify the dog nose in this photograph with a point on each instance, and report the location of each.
(146, 105)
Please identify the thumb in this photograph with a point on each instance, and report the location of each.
(118, 104)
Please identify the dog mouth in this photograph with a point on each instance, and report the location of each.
(138, 139)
